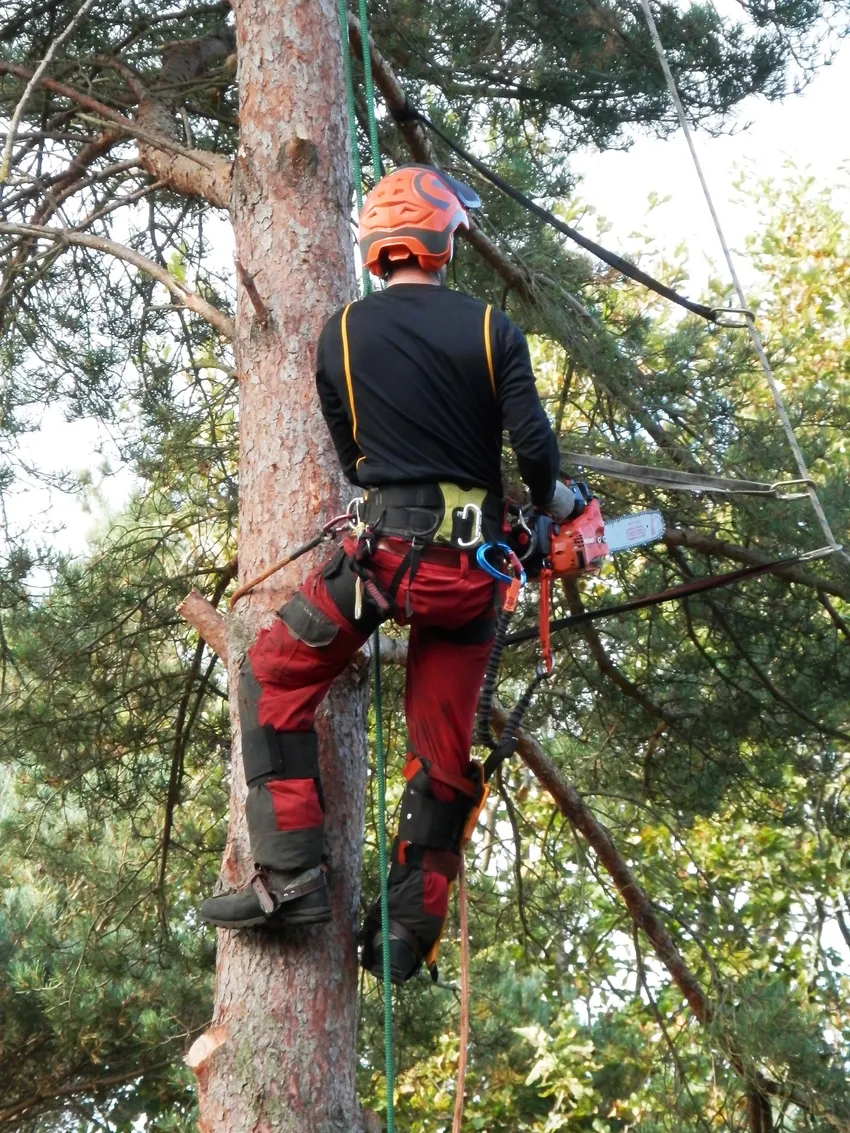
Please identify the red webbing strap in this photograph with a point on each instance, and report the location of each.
(545, 619)
(686, 590)
(416, 763)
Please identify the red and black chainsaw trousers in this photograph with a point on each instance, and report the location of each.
(450, 608)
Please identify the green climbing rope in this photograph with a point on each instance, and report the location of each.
(352, 115)
(370, 91)
(380, 762)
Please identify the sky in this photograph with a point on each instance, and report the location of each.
(808, 129)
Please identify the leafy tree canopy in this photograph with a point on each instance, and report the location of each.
(710, 738)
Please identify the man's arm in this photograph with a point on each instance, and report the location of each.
(531, 435)
(335, 414)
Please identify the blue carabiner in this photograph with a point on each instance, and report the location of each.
(481, 557)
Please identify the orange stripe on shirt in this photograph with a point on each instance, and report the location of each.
(489, 348)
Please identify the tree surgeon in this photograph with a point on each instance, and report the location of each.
(417, 383)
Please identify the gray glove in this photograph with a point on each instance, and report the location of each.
(563, 501)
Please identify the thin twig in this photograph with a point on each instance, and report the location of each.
(6, 163)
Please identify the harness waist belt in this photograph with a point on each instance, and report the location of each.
(445, 514)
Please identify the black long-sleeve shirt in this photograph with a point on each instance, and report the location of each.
(413, 391)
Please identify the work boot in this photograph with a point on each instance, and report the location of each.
(405, 955)
(272, 898)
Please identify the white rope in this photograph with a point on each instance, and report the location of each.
(730, 263)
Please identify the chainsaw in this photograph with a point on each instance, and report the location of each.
(579, 544)
(540, 547)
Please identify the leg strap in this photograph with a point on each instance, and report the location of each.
(267, 753)
(283, 755)
(306, 882)
(432, 832)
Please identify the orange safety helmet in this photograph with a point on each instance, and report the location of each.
(414, 211)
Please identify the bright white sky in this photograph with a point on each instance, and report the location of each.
(809, 129)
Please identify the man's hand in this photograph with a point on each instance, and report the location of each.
(567, 500)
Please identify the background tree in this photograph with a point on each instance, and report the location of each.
(114, 725)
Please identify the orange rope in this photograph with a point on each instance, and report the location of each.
(464, 999)
(296, 554)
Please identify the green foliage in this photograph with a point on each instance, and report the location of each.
(710, 738)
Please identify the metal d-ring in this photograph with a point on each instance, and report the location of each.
(808, 482)
(736, 318)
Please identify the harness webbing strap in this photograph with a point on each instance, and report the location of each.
(672, 479)
(410, 113)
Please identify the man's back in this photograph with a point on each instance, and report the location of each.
(417, 383)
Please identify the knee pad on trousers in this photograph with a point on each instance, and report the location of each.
(266, 752)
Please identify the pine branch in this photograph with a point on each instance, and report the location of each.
(711, 545)
(41, 1101)
(200, 173)
(184, 722)
(184, 296)
(200, 613)
(604, 663)
(32, 85)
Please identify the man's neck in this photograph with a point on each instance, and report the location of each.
(414, 275)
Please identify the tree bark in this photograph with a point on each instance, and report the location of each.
(281, 1055)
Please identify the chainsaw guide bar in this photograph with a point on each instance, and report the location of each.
(632, 531)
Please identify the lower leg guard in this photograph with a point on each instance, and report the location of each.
(285, 824)
(284, 806)
(426, 859)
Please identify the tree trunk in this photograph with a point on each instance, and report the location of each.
(281, 1055)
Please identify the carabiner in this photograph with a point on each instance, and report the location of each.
(475, 511)
(519, 570)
